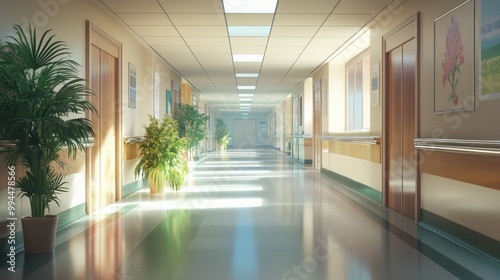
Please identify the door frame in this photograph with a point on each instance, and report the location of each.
(403, 37)
(95, 35)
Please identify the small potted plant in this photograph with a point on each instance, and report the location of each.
(221, 134)
(40, 91)
(162, 155)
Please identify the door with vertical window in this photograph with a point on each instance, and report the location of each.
(401, 121)
(244, 134)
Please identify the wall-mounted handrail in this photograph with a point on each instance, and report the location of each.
(372, 140)
(5, 145)
(134, 139)
(463, 146)
(301, 136)
(88, 142)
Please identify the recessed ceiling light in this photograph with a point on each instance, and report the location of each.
(247, 75)
(248, 57)
(249, 30)
(246, 87)
(245, 99)
(250, 7)
(246, 94)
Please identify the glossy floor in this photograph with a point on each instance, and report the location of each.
(252, 215)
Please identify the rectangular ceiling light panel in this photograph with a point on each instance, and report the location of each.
(249, 31)
(247, 75)
(249, 7)
(248, 57)
(246, 87)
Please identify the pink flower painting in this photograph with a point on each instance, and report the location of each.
(453, 58)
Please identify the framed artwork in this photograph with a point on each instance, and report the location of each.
(490, 50)
(454, 60)
(132, 87)
(374, 85)
(169, 102)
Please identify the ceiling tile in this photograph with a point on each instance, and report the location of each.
(333, 42)
(214, 57)
(306, 7)
(348, 20)
(361, 6)
(288, 50)
(145, 19)
(191, 6)
(211, 49)
(197, 19)
(248, 49)
(133, 6)
(158, 31)
(207, 41)
(300, 19)
(288, 42)
(333, 31)
(202, 31)
(191, 35)
(172, 49)
(293, 31)
(164, 41)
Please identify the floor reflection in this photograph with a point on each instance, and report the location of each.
(271, 219)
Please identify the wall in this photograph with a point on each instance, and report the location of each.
(470, 205)
(67, 20)
(262, 134)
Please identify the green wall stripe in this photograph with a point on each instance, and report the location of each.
(371, 193)
(69, 216)
(419, 245)
(131, 188)
(473, 240)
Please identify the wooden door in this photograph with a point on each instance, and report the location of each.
(103, 160)
(401, 123)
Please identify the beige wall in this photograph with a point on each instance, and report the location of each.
(469, 205)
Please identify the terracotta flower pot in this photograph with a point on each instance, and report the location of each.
(39, 234)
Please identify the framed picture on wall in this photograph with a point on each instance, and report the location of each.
(132, 87)
(169, 102)
(454, 59)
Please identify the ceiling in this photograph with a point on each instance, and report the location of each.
(192, 36)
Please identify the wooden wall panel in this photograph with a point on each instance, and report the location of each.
(130, 151)
(474, 169)
(367, 152)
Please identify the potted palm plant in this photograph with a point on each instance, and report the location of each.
(161, 155)
(40, 91)
(221, 134)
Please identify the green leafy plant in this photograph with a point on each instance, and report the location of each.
(192, 124)
(221, 133)
(162, 153)
(40, 89)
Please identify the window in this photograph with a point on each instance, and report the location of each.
(195, 103)
(358, 92)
